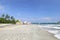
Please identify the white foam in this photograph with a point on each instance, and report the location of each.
(55, 32)
(52, 31)
(56, 27)
(57, 36)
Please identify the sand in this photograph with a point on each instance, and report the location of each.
(25, 32)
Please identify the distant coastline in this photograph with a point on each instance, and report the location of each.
(45, 23)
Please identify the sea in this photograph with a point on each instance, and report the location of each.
(52, 28)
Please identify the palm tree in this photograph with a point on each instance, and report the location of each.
(7, 17)
(12, 18)
(3, 16)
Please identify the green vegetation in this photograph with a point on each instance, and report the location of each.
(7, 19)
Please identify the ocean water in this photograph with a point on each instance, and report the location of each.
(52, 28)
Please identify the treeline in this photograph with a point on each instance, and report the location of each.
(5, 18)
(48, 23)
(52, 23)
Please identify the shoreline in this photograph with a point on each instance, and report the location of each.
(29, 31)
(52, 35)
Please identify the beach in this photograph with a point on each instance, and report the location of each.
(25, 32)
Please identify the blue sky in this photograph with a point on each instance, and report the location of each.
(32, 10)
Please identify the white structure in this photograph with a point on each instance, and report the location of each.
(25, 22)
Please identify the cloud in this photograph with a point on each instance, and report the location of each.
(46, 18)
(2, 9)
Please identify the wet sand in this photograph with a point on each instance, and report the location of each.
(25, 32)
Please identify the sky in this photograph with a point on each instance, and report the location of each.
(32, 10)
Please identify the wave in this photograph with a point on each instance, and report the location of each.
(57, 36)
(54, 29)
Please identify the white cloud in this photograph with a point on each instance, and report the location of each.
(46, 18)
(2, 9)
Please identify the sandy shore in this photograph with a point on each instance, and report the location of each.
(25, 32)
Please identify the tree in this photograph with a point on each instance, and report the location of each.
(3, 15)
(17, 21)
(58, 22)
(7, 17)
(12, 18)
